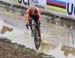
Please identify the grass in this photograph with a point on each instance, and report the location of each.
(68, 50)
(15, 1)
(13, 50)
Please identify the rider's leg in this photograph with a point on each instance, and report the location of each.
(32, 33)
(36, 19)
(30, 22)
(38, 28)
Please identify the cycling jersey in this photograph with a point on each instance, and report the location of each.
(35, 14)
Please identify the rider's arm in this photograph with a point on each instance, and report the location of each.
(26, 19)
(27, 16)
(40, 17)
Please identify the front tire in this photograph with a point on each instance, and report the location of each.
(37, 39)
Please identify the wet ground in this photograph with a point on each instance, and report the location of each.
(49, 31)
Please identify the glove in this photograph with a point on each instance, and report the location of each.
(27, 26)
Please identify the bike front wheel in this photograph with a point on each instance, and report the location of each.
(37, 39)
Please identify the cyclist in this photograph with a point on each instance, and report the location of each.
(34, 13)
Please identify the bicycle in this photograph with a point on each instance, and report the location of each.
(37, 35)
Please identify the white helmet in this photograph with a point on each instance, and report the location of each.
(32, 7)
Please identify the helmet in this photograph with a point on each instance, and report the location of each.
(32, 7)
